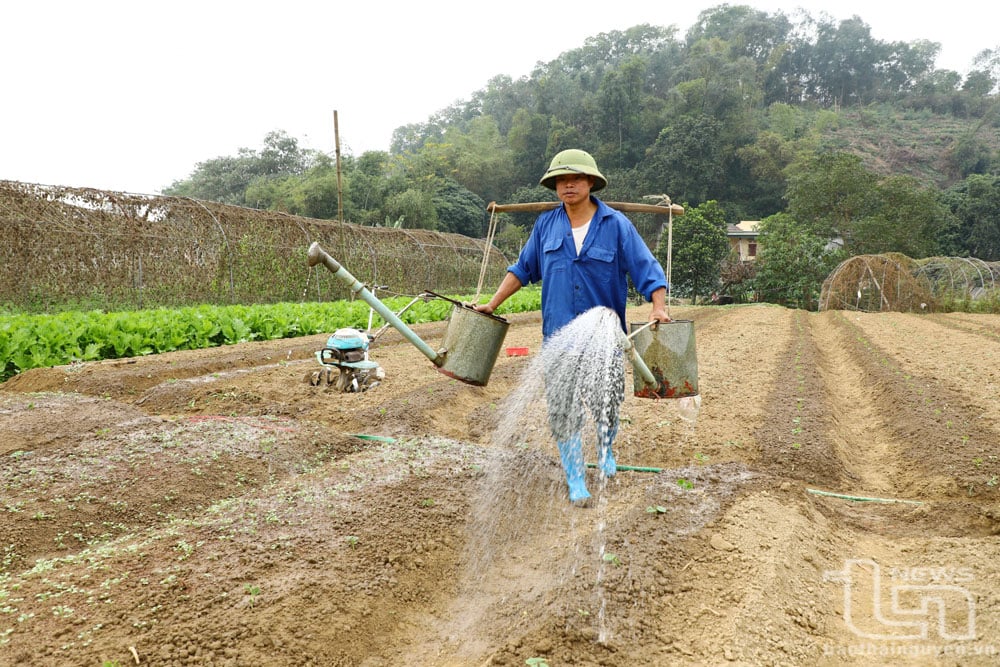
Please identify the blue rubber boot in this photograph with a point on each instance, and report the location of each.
(605, 457)
(571, 453)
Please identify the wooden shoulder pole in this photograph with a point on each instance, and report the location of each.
(624, 207)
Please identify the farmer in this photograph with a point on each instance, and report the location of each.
(582, 252)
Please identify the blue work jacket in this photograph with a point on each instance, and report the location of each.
(573, 284)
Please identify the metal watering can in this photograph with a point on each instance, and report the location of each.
(471, 342)
(669, 349)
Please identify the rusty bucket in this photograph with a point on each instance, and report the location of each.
(668, 349)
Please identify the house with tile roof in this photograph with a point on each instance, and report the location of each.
(743, 239)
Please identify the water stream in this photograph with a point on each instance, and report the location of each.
(576, 379)
(523, 524)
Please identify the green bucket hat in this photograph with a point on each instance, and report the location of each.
(573, 161)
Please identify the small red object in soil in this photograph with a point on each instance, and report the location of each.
(517, 351)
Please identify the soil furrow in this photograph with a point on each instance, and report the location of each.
(211, 507)
(948, 450)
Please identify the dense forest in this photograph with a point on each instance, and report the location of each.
(839, 143)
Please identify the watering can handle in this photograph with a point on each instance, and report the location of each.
(445, 298)
(652, 323)
(464, 305)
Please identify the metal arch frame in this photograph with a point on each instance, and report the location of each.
(428, 264)
(229, 249)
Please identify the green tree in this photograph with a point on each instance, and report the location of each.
(459, 210)
(832, 195)
(843, 63)
(413, 207)
(828, 192)
(312, 194)
(528, 140)
(715, 84)
(502, 99)
(479, 159)
(315, 194)
(226, 179)
(970, 156)
(792, 263)
(619, 103)
(936, 91)
(561, 137)
(687, 160)
(699, 245)
(748, 32)
(765, 160)
(697, 118)
(907, 63)
(986, 67)
(510, 239)
(905, 218)
(370, 181)
(976, 204)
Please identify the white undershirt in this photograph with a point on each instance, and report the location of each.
(580, 233)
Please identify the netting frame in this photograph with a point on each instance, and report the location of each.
(85, 248)
(897, 283)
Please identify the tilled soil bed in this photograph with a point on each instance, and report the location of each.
(833, 501)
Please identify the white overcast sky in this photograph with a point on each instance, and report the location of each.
(131, 95)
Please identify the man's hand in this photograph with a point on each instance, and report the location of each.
(659, 315)
(508, 286)
(659, 312)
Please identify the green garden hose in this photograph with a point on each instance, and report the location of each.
(862, 499)
(631, 468)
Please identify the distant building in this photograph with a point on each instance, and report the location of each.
(743, 239)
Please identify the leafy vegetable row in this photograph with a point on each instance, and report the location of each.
(36, 341)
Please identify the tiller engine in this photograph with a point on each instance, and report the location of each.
(345, 363)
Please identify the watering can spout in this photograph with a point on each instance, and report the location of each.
(318, 256)
(637, 363)
(470, 345)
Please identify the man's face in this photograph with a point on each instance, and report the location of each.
(573, 188)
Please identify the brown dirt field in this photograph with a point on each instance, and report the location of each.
(213, 508)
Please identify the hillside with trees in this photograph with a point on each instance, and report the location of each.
(811, 125)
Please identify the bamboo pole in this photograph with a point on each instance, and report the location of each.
(340, 192)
